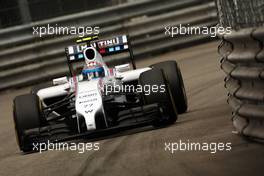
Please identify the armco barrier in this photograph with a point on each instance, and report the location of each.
(243, 62)
(27, 59)
(100, 17)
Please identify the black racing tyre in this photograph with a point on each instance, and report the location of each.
(26, 116)
(173, 75)
(36, 88)
(155, 77)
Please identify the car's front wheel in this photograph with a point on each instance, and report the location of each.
(173, 75)
(156, 78)
(26, 116)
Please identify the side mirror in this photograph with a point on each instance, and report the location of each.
(59, 81)
(122, 68)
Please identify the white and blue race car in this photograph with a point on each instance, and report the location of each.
(97, 100)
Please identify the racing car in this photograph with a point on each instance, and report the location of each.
(96, 99)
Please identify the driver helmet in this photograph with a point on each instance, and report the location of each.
(93, 70)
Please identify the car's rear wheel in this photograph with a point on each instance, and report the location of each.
(26, 116)
(163, 96)
(173, 75)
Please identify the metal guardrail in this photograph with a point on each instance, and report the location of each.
(27, 59)
(243, 62)
(101, 17)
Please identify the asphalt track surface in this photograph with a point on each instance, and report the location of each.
(141, 152)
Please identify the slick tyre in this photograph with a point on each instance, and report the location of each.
(26, 116)
(155, 77)
(174, 77)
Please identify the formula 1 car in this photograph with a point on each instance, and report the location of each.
(98, 100)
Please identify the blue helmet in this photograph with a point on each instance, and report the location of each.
(93, 73)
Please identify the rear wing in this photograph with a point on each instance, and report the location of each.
(105, 47)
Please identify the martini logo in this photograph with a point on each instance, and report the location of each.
(107, 43)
